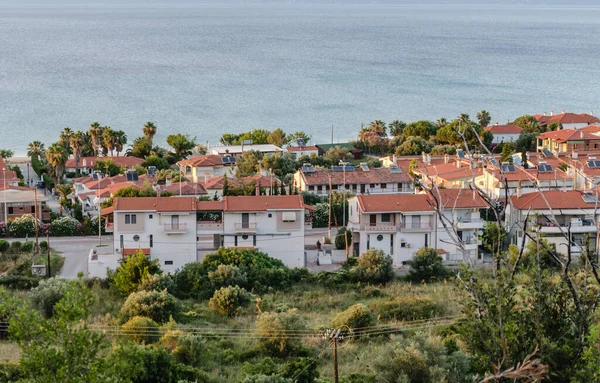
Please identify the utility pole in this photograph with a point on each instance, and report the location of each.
(35, 216)
(329, 220)
(334, 335)
(48, 242)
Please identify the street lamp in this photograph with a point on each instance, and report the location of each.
(4, 192)
(343, 164)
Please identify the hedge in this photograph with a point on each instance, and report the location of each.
(18, 282)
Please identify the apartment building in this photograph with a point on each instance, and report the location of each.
(567, 120)
(552, 213)
(201, 168)
(181, 230)
(16, 201)
(568, 141)
(401, 224)
(357, 180)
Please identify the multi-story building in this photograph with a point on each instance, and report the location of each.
(201, 168)
(568, 141)
(16, 201)
(86, 164)
(401, 224)
(567, 120)
(182, 230)
(504, 133)
(360, 180)
(552, 213)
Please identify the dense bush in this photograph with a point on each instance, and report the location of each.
(320, 215)
(141, 330)
(156, 305)
(157, 282)
(132, 271)
(427, 265)
(8, 305)
(227, 275)
(229, 301)
(65, 226)
(191, 281)
(406, 309)
(373, 267)
(48, 293)
(275, 328)
(188, 349)
(4, 246)
(27, 247)
(23, 226)
(357, 316)
(15, 247)
(341, 241)
(19, 282)
(43, 245)
(250, 258)
(260, 378)
(11, 372)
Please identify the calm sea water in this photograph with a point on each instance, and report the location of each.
(206, 70)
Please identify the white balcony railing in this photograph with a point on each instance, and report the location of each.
(416, 225)
(175, 228)
(247, 226)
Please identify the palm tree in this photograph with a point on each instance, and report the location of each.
(378, 127)
(396, 127)
(149, 131)
(77, 142)
(108, 140)
(57, 157)
(484, 118)
(95, 132)
(65, 137)
(63, 191)
(35, 148)
(441, 122)
(120, 141)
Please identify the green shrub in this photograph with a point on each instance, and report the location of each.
(132, 271)
(19, 282)
(8, 305)
(427, 265)
(28, 246)
(227, 275)
(301, 370)
(23, 226)
(141, 330)
(266, 379)
(191, 281)
(275, 329)
(65, 226)
(156, 305)
(47, 294)
(157, 282)
(11, 372)
(406, 309)
(357, 316)
(340, 240)
(43, 245)
(229, 301)
(15, 247)
(250, 258)
(373, 267)
(189, 349)
(4, 246)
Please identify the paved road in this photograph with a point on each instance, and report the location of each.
(75, 250)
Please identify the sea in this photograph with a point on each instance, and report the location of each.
(205, 70)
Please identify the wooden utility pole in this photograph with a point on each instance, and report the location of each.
(334, 335)
(336, 377)
(329, 220)
(35, 216)
(49, 267)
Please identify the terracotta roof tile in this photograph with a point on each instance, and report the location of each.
(159, 204)
(203, 161)
(458, 198)
(567, 118)
(358, 176)
(262, 203)
(394, 203)
(557, 199)
(504, 129)
(122, 161)
(302, 148)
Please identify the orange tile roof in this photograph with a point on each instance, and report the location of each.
(209, 206)
(557, 199)
(376, 203)
(504, 129)
(590, 129)
(187, 188)
(565, 135)
(358, 176)
(122, 161)
(262, 203)
(567, 118)
(216, 183)
(458, 198)
(159, 204)
(302, 148)
(203, 161)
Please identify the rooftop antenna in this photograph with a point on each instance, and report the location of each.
(331, 134)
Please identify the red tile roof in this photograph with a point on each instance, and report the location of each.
(458, 198)
(216, 183)
(358, 176)
(504, 129)
(302, 148)
(159, 204)
(565, 135)
(567, 118)
(262, 203)
(590, 129)
(122, 161)
(376, 203)
(557, 199)
(187, 188)
(207, 160)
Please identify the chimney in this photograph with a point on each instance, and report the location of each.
(544, 114)
(424, 156)
(552, 112)
(263, 172)
(206, 177)
(581, 134)
(394, 160)
(496, 123)
(428, 159)
(519, 191)
(458, 164)
(446, 158)
(562, 111)
(258, 189)
(168, 182)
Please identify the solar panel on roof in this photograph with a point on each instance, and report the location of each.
(547, 153)
(494, 162)
(460, 154)
(591, 164)
(308, 168)
(589, 199)
(508, 168)
(395, 169)
(348, 168)
(597, 163)
(544, 168)
(364, 167)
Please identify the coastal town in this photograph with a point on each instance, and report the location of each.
(269, 216)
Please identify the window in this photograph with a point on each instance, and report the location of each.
(127, 218)
(254, 240)
(33, 209)
(136, 238)
(426, 240)
(399, 185)
(235, 240)
(334, 187)
(368, 242)
(386, 218)
(270, 215)
(151, 240)
(168, 262)
(380, 237)
(11, 210)
(383, 186)
(245, 220)
(311, 188)
(391, 244)
(130, 219)
(121, 241)
(288, 216)
(372, 186)
(415, 221)
(150, 216)
(402, 244)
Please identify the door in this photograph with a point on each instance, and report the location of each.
(175, 221)
(373, 219)
(362, 189)
(245, 220)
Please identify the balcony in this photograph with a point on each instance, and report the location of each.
(209, 226)
(577, 226)
(470, 222)
(415, 226)
(248, 227)
(381, 226)
(110, 227)
(175, 228)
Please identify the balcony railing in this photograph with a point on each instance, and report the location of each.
(248, 226)
(175, 227)
(209, 225)
(415, 225)
(381, 226)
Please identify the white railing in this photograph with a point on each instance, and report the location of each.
(245, 226)
(174, 227)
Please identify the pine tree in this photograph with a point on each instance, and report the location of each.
(282, 190)
(225, 186)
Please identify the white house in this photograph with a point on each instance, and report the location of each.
(237, 150)
(86, 164)
(567, 120)
(552, 212)
(180, 230)
(299, 151)
(201, 168)
(504, 133)
(401, 224)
